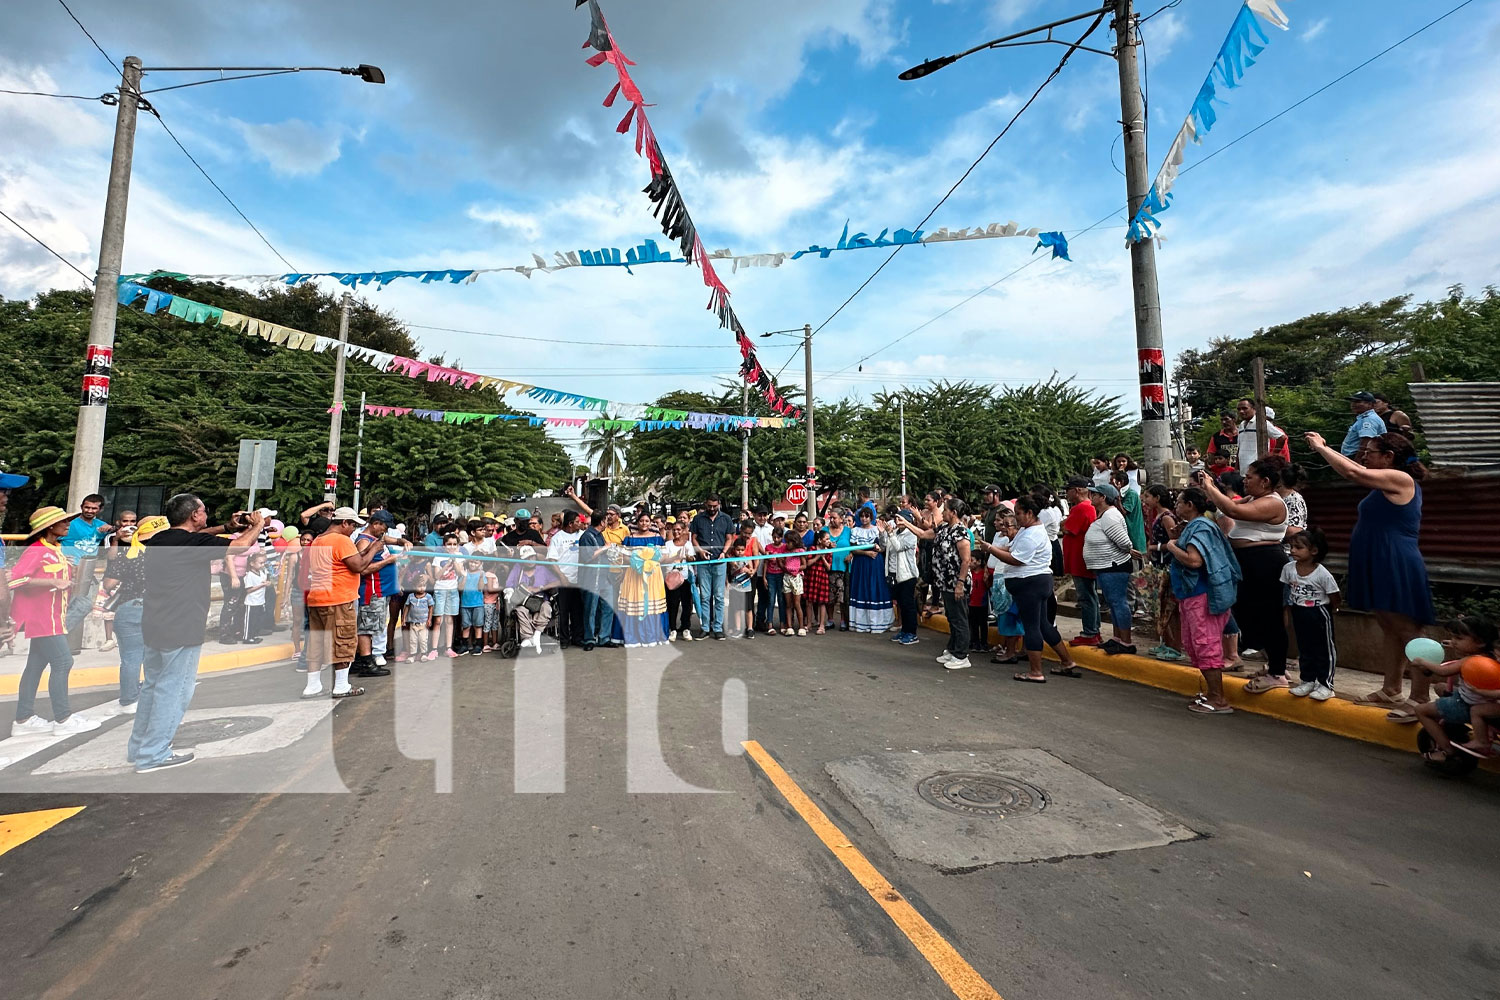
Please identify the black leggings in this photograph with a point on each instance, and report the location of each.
(979, 627)
(1030, 594)
(905, 594)
(680, 608)
(1258, 605)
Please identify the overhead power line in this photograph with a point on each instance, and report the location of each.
(993, 142)
(44, 246)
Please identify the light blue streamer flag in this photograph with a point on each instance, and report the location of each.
(1057, 241)
(1236, 55)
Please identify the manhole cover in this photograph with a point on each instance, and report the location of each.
(975, 794)
(193, 734)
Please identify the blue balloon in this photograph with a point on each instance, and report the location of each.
(1422, 648)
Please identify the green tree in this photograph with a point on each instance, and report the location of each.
(184, 394)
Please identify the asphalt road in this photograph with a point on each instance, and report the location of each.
(1321, 867)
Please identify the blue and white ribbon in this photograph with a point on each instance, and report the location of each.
(1236, 55)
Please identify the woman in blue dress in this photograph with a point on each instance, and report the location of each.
(641, 611)
(1386, 573)
(869, 595)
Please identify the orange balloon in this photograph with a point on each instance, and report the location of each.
(1481, 672)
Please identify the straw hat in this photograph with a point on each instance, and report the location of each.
(45, 517)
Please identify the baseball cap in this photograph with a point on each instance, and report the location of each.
(12, 481)
(346, 514)
(992, 488)
(1078, 482)
(1105, 490)
(1361, 397)
(384, 517)
(522, 514)
(614, 507)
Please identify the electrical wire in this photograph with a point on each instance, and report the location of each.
(1029, 101)
(148, 106)
(104, 98)
(107, 58)
(45, 247)
(582, 343)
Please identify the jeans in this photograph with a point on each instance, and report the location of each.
(598, 616)
(956, 609)
(772, 601)
(679, 609)
(132, 649)
(698, 605)
(905, 593)
(1088, 603)
(171, 675)
(82, 601)
(46, 651)
(763, 601)
(1115, 587)
(713, 577)
(568, 611)
(1030, 594)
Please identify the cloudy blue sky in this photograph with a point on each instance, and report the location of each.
(782, 119)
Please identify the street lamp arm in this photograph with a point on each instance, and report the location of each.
(933, 65)
(366, 72)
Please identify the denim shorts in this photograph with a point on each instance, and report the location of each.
(445, 602)
(471, 617)
(1452, 709)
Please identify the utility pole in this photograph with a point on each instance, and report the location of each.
(901, 405)
(359, 449)
(745, 451)
(807, 414)
(1262, 435)
(1150, 354)
(88, 439)
(336, 411)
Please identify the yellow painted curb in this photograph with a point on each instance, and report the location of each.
(1342, 718)
(209, 663)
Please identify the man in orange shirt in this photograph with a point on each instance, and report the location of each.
(335, 564)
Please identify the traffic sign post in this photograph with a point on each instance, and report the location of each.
(257, 467)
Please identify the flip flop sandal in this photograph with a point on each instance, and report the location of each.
(1204, 708)
(1008, 660)
(1403, 716)
(351, 693)
(1262, 684)
(1437, 755)
(1027, 678)
(1381, 697)
(1066, 671)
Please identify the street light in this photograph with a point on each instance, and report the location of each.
(1150, 357)
(88, 438)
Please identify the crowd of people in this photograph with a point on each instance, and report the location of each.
(1227, 570)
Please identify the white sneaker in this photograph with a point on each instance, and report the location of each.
(671, 636)
(74, 723)
(129, 709)
(945, 659)
(379, 660)
(1322, 693)
(1304, 689)
(963, 664)
(31, 727)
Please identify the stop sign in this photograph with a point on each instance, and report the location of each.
(796, 494)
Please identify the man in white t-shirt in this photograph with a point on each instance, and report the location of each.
(563, 552)
(1248, 452)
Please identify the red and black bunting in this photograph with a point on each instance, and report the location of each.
(668, 205)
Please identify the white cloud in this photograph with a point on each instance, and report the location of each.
(1163, 32)
(498, 215)
(1315, 29)
(293, 147)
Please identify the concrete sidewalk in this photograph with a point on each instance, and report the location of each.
(95, 668)
(1338, 715)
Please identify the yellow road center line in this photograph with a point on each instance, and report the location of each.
(17, 828)
(960, 976)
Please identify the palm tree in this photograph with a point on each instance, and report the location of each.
(605, 446)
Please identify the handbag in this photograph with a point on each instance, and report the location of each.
(535, 603)
(675, 578)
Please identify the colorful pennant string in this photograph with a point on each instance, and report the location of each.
(686, 420)
(128, 293)
(669, 207)
(1236, 55)
(648, 252)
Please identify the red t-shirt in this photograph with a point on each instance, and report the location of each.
(1074, 527)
